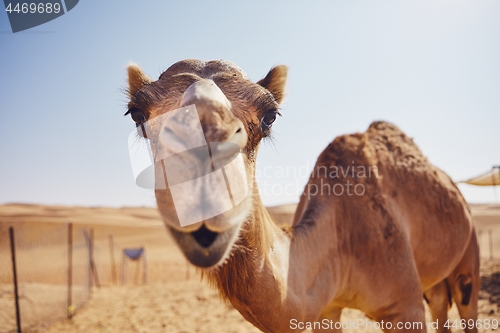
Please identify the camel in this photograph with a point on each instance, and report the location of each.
(402, 234)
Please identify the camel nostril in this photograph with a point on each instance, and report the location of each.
(204, 237)
(238, 130)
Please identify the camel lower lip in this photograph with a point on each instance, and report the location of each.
(204, 248)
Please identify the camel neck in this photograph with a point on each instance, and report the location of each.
(255, 266)
(275, 274)
(259, 236)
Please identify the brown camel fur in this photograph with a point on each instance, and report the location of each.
(403, 232)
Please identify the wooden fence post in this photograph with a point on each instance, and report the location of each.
(112, 259)
(14, 274)
(92, 261)
(490, 234)
(144, 268)
(124, 263)
(89, 267)
(70, 269)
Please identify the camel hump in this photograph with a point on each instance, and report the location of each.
(382, 142)
(395, 148)
(384, 126)
(401, 163)
(387, 151)
(390, 135)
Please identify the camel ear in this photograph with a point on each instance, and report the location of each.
(275, 82)
(136, 79)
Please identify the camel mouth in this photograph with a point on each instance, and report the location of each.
(203, 247)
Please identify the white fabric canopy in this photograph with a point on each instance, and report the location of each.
(489, 178)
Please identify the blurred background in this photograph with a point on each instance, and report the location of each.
(429, 67)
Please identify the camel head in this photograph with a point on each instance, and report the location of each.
(208, 120)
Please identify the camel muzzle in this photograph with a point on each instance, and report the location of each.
(204, 248)
(205, 179)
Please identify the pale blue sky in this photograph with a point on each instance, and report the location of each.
(430, 67)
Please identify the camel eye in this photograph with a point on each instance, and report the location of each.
(267, 121)
(137, 115)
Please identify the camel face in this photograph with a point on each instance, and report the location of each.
(233, 115)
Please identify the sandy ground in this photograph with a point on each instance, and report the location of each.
(174, 300)
(182, 307)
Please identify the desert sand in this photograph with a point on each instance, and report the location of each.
(173, 300)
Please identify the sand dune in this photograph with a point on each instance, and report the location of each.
(174, 300)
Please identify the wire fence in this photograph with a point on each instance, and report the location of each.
(44, 288)
(59, 264)
(45, 292)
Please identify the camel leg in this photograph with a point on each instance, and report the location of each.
(407, 314)
(464, 284)
(332, 314)
(410, 320)
(439, 298)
